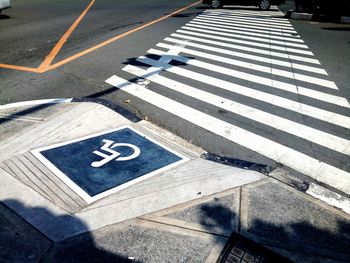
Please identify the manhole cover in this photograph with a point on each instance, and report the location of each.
(243, 250)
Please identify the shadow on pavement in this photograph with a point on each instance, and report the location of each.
(4, 118)
(298, 238)
(20, 245)
(23, 113)
(238, 248)
(336, 28)
(4, 17)
(186, 14)
(133, 62)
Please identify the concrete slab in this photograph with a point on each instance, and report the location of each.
(51, 220)
(33, 191)
(16, 119)
(219, 212)
(134, 241)
(57, 224)
(190, 181)
(79, 120)
(293, 224)
(19, 241)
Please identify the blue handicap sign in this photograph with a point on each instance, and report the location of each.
(103, 162)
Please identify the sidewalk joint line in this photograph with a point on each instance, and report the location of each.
(181, 227)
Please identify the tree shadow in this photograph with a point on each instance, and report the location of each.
(24, 246)
(297, 238)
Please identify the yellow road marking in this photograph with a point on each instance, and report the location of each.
(46, 64)
(48, 60)
(7, 66)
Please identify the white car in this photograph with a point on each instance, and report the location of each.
(5, 4)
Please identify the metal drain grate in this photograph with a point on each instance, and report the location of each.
(242, 250)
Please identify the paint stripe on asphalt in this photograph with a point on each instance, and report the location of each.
(263, 22)
(242, 55)
(279, 21)
(247, 15)
(301, 162)
(331, 198)
(318, 137)
(245, 42)
(259, 39)
(288, 104)
(278, 36)
(243, 25)
(264, 69)
(244, 32)
(248, 49)
(241, 12)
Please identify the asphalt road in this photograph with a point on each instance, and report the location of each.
(29, 33)
(31, 29)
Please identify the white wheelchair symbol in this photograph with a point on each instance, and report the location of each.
(108, 147)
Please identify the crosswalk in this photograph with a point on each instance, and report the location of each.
(253, 65)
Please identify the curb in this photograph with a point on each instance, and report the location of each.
(301, 16)
(313, 17)
(126, 114)
(35, 103)
(345, 20)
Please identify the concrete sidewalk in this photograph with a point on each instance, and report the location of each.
(196, 211)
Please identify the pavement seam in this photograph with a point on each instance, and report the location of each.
(189, 204)
(192, 226)
(178, 229)
(239, 211)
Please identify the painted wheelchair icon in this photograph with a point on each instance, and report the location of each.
(114, 155)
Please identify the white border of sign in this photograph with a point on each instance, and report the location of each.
(89, 199)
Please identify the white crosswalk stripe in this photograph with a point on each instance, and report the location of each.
(218, 21)
(206, 34)
(249, 49)
(304, 109)
(251, 21)
(249, 32)
(265, 69)
(244, 35)
(327, 140)
(251, 56)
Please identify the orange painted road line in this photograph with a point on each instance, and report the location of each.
(89, 50)
(35, 70)
(48, 60)
(46, 64)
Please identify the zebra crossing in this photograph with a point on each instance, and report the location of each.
(253, 65)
